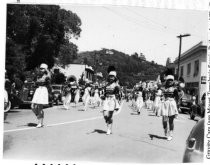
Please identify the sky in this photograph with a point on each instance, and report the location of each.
(150, 31)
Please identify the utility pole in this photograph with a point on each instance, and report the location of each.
(180, 47)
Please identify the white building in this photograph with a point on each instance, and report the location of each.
(193, 68)
(78, 69)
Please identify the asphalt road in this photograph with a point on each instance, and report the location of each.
(81, 136)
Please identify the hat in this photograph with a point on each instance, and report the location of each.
(170, 77)
(112, 71)
(44, 66)
(182, 85)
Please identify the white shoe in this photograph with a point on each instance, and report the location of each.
(108, 132)
(39, 125)
(169, 138)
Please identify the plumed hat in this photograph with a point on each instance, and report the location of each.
(169, 74)
(112, 71)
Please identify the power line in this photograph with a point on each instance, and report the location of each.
(157, 23)
(131, 19)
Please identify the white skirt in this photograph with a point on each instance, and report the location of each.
(41, 96)
(139, 102)
(110, 104)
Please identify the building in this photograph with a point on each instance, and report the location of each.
(193, 68)
(78, 70)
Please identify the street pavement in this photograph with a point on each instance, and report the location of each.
(79, 135)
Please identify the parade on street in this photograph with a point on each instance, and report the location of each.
(113, 84)
(78, 135)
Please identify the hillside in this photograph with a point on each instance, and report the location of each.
(131, 69)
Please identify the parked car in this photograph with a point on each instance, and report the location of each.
(57, 93)
(195, 144)
(198, 110)
(185, 103)
(27, 93)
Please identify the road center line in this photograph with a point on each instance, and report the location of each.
(64, 123)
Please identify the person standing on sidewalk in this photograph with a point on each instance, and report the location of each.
(111, 94)
(41, 96)
(169, 109)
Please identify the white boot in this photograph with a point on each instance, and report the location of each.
(109, 131)
(170, 137)
(39, 125)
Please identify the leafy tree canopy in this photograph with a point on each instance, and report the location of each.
(37, 34)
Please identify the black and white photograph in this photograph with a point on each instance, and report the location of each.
(104, 83)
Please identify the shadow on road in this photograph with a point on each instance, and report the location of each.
(134, 113)
(97, 131)
(156, 136)
(31, 124)
(81, 110)
(151, 115)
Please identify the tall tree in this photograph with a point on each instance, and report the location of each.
(38, 33)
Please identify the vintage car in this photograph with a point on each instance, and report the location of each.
(198, 110)
(57, 93)
(27, 92)
(185, 103)
(195, 144)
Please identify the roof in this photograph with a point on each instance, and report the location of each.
(192, 50)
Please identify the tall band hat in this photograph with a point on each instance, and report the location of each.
(44, 66)
(112, 71)
(169, 74)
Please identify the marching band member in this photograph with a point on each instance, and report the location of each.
(157, 102)
(169, 109)
(77, 96)
(41, 96)
(70, 92)
(139, 101)
(97, 99)
(86, 96)
(110, 103)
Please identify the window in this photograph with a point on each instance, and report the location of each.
(182, 71)
(188, 69)
(196, 68)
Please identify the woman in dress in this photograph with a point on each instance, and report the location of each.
(77, 96)
(169, 109)
(67, 98)
(139, 101)
(41, 96)
(86, 96)
(97, 99)
(157, 102)
(111, 94)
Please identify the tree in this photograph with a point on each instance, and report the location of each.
(58, 77)
(142, 57)
(68, 52)
(135, 55)
(37, 34)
